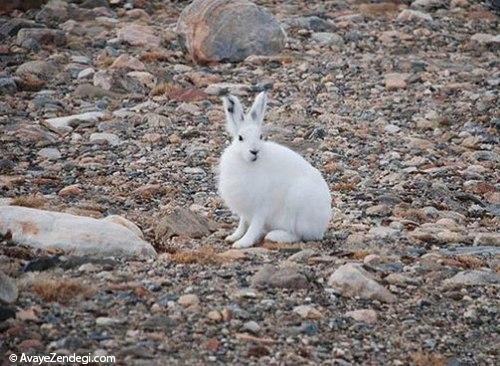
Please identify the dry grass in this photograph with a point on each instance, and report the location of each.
(178, 93)
(61, 291)
(427, 359)
(378, 9)
(154, 56)
(344, 186)
(359, 254)
(465, 261)
(29, 201)
(204, 255)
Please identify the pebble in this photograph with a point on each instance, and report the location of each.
(363, 315)
(49, 153)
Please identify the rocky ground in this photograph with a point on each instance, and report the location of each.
(397, 105)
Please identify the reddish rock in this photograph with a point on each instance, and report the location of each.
(228, 30)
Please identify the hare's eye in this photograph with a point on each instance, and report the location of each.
(240, 137)
(261, 137)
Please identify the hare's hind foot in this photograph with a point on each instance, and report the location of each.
(281, 236)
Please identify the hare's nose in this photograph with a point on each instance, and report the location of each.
(254, 152)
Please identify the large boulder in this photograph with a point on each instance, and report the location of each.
(228, 30)
(76, 235)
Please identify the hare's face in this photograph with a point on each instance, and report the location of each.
(246, 130)
(248, 142)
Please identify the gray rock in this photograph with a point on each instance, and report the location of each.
(292, 277)
(183, 222)
(228, 30)
(409, 15)
(313, 23)
(100, 137)
(352, 280)
(428, 4)
(66, 124)
(90, 4)
(76, 235)
(41, 69)
(8, 289)
(42, 36)
(327, 39)
(14, 25)
(472, 278)
(302, 256)
(7, 85)
(49, 153)
(251, 327)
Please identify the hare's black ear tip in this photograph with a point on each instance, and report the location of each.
(267, 87)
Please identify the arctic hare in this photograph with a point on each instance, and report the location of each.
(274, 191)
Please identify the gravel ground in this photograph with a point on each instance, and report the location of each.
(399, 111)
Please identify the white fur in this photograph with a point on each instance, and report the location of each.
(275, 191)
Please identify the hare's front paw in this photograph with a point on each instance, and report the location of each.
(242, 244)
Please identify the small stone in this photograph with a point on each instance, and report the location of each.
(49, 153)
(182, 222)
(64, 124)
(291, 277)
(307, 312)
(409, 15)
(302, 256)
(87, 73)
(395, 81)
(363, 315)
(251, 327)
(42, 36)
(139, 35)
(145, 78)
(7, 85)
(327, 39)
(105, 321)
(188, 300)
(487, 239)
(372, 260)
(8, 289)
(100, 137)
(352, 280)
(40, 69)
(485, 39)
(392, 129)
(214, 316)
(126, 61)
(472, 278)
(73, 190)
(383, 232)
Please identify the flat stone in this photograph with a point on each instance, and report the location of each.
(42, 36)
(40, 69)
(472, 278)
(183, 222)
(139, 35)
(49, 153)
(352, 280)
(66, 124)
(409, 15)
(76, 235)
(307, 312)
(292, 277)
(327, 39)
(100, 137)
(363, 315)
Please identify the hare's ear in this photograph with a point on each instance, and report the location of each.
(258, 108)
(234, 114)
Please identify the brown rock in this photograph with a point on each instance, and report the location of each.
(71, 191)
(183, 222)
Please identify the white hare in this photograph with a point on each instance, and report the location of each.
(274, 191)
